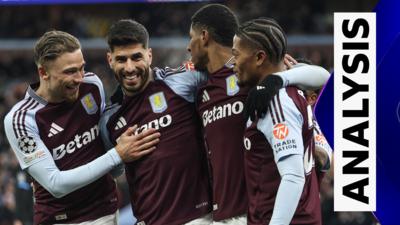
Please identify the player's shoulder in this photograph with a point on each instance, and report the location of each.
(288, 102)
(162, 73)
(109, 113)
(22, 116)
(92, 78)
(294, 94)
(111, 109)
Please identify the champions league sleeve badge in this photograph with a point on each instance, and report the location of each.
(89, 104)
(231, 85)
(158, 102)
(26, 144)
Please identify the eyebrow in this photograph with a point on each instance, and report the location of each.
(74, 69)
(133, 56)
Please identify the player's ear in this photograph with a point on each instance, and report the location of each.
(109, 59)
(43, 73)
(205, 36)
(261, 57)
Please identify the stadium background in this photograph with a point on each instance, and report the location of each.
(308, 24)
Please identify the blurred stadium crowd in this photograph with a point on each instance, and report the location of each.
(17, 69)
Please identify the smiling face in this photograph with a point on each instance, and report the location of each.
(63, 77)
(131, 66)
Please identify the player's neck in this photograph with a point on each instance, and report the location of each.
(45, 94)
(218, 55)
(270, 69)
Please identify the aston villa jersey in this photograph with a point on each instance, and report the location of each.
(287, 129)
(220, 105)
(69, 133)
(171, 184)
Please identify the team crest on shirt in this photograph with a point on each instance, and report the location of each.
(231, 85)
(158, 102)
(89, 104)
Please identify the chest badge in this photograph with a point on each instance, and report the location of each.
(232, 87)
(89, 104)
(158, 102)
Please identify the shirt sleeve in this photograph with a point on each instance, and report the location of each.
(305, 77)
(184, 83)
(282, 127)
(290, 189)
(60, 183)
(34, 157)
(104, 133)
(25, 141)
(108, 144)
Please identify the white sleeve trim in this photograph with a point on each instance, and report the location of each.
(185, 84)
(283, 119)
(60, 183)
(25, 129)
(305, 77)
(290, 189)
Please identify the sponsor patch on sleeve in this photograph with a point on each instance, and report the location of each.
(26, 144)
(281, 131)
(28, 147)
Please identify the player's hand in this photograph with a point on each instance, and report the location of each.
(257, 102)
(289, 61)
(131, 147)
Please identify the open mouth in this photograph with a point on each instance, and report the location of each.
(130, 76)
(72, 87)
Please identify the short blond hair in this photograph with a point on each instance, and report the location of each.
(52, 45)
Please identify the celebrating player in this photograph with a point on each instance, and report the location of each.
(221, 102)
(281, 180)
(170, 185)
(54, 133)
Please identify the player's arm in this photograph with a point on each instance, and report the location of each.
(288, 154)
(104, 134)
(183, 82)
(40, 164)
(304, 76)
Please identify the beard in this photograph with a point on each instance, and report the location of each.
(72, 98)
(201, 64)
(250, 80)
(143, 75)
